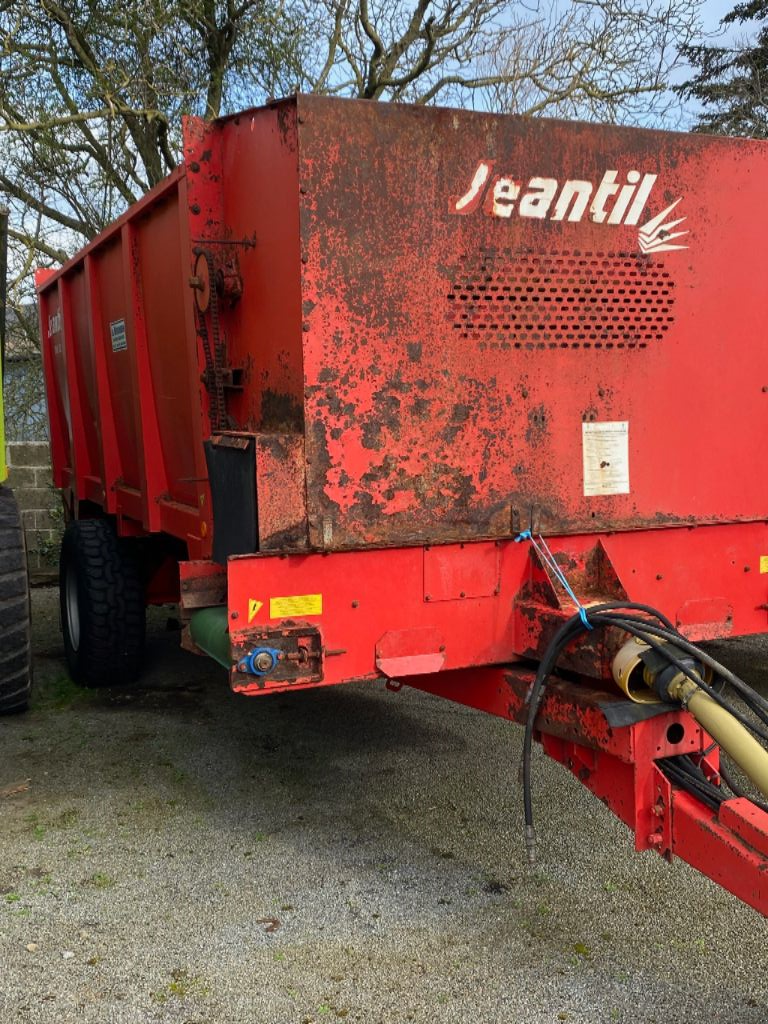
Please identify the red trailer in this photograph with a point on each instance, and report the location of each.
(331, 382)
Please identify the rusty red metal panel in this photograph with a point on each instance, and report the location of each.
(104, 420)
(243, 189)
(476, 323)
(455, 571)
(466, 319)
(282, 516)
(57, 392)
(366, 594)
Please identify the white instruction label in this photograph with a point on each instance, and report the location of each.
(119, 339)
(605, 448)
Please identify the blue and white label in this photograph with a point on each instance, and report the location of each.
(119, 339)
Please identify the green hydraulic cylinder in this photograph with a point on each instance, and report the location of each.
(209, 628)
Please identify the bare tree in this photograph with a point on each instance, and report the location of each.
(92, 92)
(597, 60)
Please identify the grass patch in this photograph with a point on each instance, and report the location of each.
(182, 986)
(59, 693)
(100, 880)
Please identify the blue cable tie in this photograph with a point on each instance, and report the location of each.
(525, 535)
(549, 560)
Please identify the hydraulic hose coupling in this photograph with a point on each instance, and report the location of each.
(645, 675)
(260, 661)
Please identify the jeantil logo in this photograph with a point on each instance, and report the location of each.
(612, 201)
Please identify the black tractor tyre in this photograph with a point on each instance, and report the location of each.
(102, 605)
(15, 638)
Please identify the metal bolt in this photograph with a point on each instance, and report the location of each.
(659, 576)
(234, 615)
(441, 647)
(427, 597)
(263, 661)
(462, 594)
(355, 604)
(194, 166)
(195, 208)
(655, 839)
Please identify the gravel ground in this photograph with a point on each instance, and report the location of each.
(176, 854)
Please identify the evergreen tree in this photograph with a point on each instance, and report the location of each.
(731, 82)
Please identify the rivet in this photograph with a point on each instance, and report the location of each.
(234, 615)
(195, 208)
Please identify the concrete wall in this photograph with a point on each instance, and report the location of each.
(40, 503)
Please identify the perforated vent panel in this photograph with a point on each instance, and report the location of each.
(601, 300)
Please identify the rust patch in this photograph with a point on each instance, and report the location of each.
(281, 413)
(538, 426)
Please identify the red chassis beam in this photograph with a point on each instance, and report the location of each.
(618, 763)
(410, 611)
(438, 618)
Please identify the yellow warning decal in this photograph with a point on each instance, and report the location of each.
(254, 608)
(763, 563)
(292, 607)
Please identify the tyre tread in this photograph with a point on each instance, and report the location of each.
(15, 641)
(112, 616)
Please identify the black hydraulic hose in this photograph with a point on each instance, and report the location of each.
(744, 689)
(643, 634)
(604, 615)
(737, 790)
(750, 696)
(568, 631)
(682, 771)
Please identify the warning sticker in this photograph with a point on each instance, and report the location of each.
(254, 607)
(119, 339)
(292, 607)
(605, 449)
(763, 563)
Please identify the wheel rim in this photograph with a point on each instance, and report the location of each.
(73, 611)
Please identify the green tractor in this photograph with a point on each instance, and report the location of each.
(15, 640)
